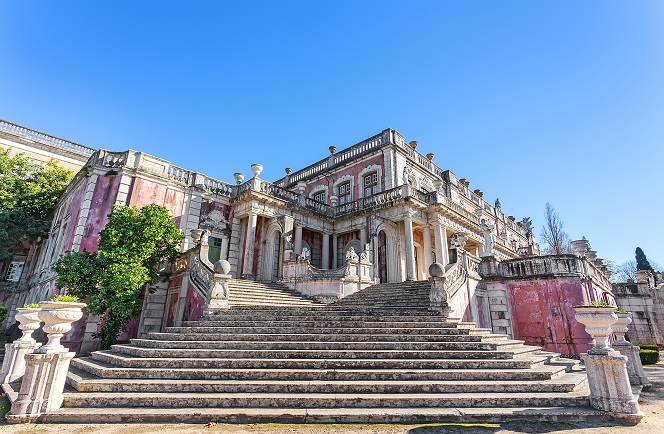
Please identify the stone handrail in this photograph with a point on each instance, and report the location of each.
(47, 139)
(345, 155)
(370, 203)
(455, 275)
(200, 274)
(156, 166)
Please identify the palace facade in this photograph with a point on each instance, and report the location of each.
(376, 212)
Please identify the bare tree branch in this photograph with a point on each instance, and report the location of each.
(555, 239)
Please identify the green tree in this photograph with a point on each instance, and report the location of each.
(641, 261)
(131, 247)
(28, 193)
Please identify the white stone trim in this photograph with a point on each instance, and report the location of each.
(318, 189)
(343, 180)
(366, 171)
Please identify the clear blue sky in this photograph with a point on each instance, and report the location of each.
(532, 101)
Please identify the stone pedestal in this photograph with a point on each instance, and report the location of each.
(634, 367)
(609, 383)
(219, 287)
(13, 366)
(438, 296)
(42, 386)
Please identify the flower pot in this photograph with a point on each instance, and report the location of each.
(621, 327)
(598, 321)
(28, 322)
(58, 317)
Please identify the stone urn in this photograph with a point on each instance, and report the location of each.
(239, 177)
(58, 317)
(256, 169)
(196, 235)
(28, 322)
(598, 321)
(620, 327)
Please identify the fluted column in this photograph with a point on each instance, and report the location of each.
(410, 248)
(249, 241)
(325, 256)
(428, 260)
(440, 238)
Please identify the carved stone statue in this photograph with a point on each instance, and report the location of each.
(489, 238)
(351, 255)
(306, 253)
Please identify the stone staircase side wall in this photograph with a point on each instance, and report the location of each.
(153, 312)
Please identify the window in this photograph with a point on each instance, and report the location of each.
(320, 197)
(14, 271)
(344, 193)
(371, 184)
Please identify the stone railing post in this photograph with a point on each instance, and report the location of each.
(13, 365)
(634, 367)
(438, 296)
(219, 292)
(608, 380)
(46, 369)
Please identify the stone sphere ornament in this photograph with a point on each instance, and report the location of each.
(222, 267)
(436, 270)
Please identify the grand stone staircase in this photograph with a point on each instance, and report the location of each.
(374, 357)
(250, 293)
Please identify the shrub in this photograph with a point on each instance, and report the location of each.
(66, 298)
(3, 313)
(649, 347)
(33, 306)
(649, 357)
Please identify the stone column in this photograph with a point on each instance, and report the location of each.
(325, 257)
(410, 248)
(13, 365)
(441, 243)
(249, 241)
(298, 238)
(334, 251)
(363, 236)
(426, 234)
(609, 383)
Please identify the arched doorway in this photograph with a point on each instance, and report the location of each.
(276, 257)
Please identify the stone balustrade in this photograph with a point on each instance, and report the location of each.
(46, 139)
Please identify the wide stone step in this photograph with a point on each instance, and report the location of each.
(324, 315)
(323, 400)
(410, 415)
(324, 323)
(82, 384)
(107, 370)
(324, 354)
(327, 330)
(331, 337)
(332, 345)
(127, 360)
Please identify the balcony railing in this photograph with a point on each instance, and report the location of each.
(47, 139)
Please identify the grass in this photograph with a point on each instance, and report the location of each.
(4, 405)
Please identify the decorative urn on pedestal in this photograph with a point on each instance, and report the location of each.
(58, 317)
(28, 322)
(620, 327)
(598, 320)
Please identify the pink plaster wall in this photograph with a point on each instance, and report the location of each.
(193, 307)
(145, 192)
(542, 314)
(353, 170)
(103, 199)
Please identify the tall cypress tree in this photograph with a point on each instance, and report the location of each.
(641, 261)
